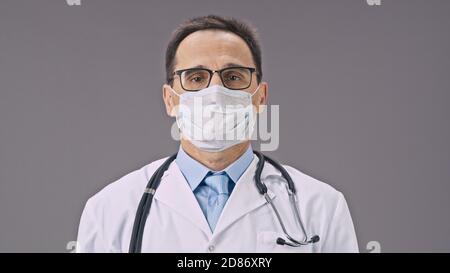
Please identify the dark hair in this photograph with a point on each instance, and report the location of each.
(229, 24)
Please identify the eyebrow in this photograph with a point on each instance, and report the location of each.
(225, 66)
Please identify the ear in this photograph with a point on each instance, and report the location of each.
(170, 99)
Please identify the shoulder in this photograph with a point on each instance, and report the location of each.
(313, 186)
(121, 192)
(108, 214)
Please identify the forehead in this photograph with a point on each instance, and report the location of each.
(213, 49)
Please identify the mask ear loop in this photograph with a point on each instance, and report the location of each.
(173, 91)
(259, 85)
(176, 115)
(257, 89)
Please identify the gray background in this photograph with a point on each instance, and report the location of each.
(363, 94)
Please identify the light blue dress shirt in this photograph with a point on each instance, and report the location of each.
(195, 174)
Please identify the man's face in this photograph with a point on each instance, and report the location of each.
(213, 49)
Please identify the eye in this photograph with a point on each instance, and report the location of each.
(196, 79)
(234, 78)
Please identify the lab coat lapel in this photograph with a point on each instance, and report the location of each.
(244, 198)
(175, 192)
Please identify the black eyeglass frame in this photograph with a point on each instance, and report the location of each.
(211, 73)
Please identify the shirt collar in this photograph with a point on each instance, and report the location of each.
(194, 171)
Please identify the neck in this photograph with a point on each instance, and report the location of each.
(216, 161)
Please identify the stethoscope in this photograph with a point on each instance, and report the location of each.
(146, 202)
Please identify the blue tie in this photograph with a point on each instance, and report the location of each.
(219, 193)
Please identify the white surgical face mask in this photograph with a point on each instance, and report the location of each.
(216, 118)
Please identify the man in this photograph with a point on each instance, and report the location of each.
(207, 200)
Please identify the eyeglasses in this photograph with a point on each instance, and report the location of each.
(195, 79)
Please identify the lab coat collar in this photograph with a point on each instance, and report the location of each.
(175, 192)
(244, 198)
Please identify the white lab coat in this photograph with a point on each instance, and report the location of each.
(176, 222)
